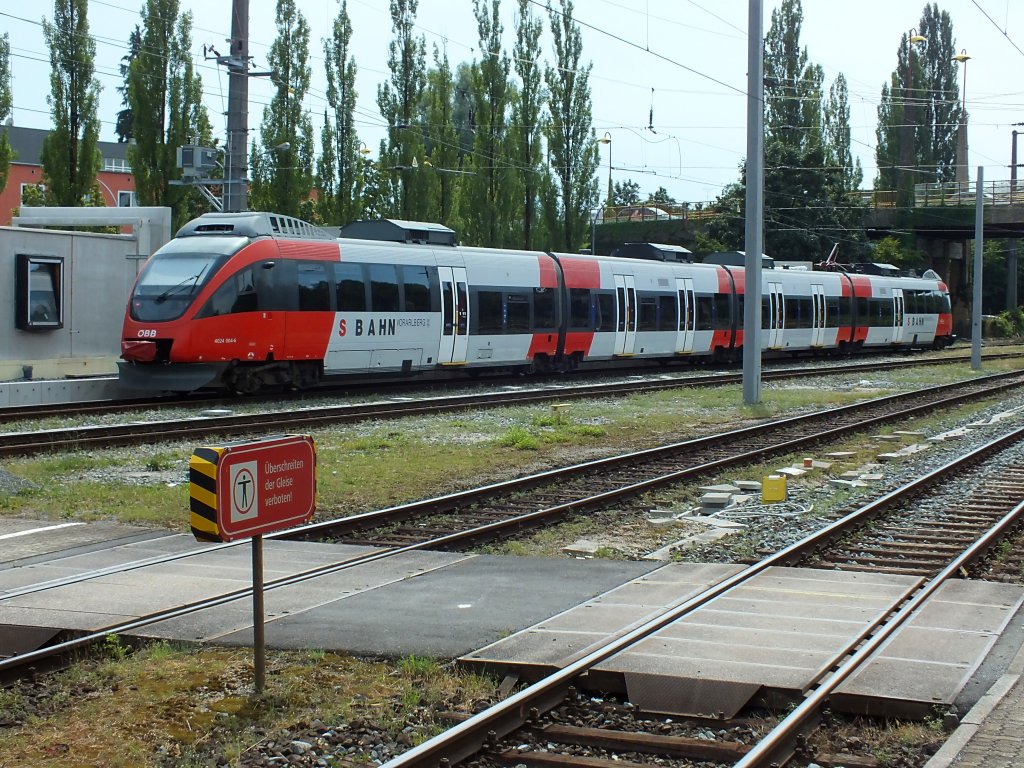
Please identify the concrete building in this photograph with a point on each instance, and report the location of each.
(66, 291)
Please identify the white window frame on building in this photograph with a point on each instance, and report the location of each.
(126, 198)
(25, 185)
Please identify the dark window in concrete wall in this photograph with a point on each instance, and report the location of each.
(39, 286)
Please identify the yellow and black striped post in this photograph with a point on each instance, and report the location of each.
(202, 486)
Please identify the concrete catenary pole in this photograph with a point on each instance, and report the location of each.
(754, 236)
(236, 189)
(979, 249)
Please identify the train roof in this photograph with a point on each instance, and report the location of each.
(253, 224)
(399, 231)
(654, 251)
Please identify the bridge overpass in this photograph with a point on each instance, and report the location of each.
(942, 219)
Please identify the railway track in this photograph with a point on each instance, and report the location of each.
(415, 388)
(306, 418)
(476, 515)
(539, 725)
(507, 513)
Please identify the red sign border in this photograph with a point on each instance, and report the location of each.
(234, 453)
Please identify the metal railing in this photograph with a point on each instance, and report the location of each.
(611, 214)
(957, 193)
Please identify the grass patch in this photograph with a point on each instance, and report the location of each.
(377, 464)
(189, 706)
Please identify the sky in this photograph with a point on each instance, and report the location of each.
(668, 82)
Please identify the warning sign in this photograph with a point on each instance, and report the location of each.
(247, 489)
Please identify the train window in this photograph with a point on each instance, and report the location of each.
(461, 309)
(417, 288)
(383, 288)
(844, 311)
(723, 316)
(667, 315)
(863, 311)
(579, 308)
(314, 288)
(517, 312)
(237, 294)
(647, 317)
(620, 296)
(831, 310)
(705, 313)
(766, 312)
(604, 311)
(40, 293)
(447, 309)
(350, 288)
(488, 314)
(544, 314)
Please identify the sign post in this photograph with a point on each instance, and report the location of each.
(246, 489)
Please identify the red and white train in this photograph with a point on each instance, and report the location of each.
(243, 301)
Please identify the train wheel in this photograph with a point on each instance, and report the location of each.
(242, 380)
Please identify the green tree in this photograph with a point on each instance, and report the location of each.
(626, 193)
(70, 157)
(487, 210)
(526, 118)
(343, 161)
(443, 144)
(282, 171)
(165, 103)
(400, 101)
(661, 197)
(6, 151)
(123, 125)
(572, 148)
(843, 174)
(920, 110)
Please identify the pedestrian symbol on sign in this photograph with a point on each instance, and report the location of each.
(243, 491)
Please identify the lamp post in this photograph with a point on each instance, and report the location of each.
(607, 141)
(908, 150)
(961, 133)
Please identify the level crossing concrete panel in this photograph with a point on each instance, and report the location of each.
(780, 630)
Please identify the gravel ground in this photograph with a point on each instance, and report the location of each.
(811, 498)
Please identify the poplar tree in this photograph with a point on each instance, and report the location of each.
(443, 143)
(400, 100)
(808, 176)
(526, 118)
(123, 125)
(345, 161)
(70, 157)
(920, 107)
(165, 101)
(487, 215)
(6, 102)
(572, 189)
(282, 163)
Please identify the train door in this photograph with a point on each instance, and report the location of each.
(820, 318)
(898, 320)
(776, 315)
(454, 315)
(687, 310)
(625, 314)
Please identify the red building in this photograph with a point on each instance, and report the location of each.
(115, 178)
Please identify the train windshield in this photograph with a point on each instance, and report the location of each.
(176, 273)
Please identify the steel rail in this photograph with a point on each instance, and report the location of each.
(468, 737)
(780, 737)
(30, 443)
(598, 466)
(23, 412)
(438, 542)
